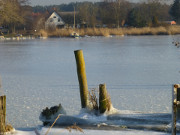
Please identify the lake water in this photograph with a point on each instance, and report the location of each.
(138, 70)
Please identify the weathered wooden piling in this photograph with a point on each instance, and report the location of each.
(175, 107)
(104, 99)
(2, 114)
(81, 72)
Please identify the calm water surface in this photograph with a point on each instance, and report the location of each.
(138, 70)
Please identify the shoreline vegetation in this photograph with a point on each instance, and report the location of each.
(106, 32)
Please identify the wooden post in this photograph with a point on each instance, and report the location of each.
(175, 106)
(81, 72)
(2, 114)
(104, 99)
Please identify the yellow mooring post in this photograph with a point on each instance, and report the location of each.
(81, 72)
(2, 114)
(104, 99)
(175, 106)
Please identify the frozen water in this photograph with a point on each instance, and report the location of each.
(139, 72)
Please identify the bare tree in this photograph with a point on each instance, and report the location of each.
(11, 13)
(119, 10)
(88, 13)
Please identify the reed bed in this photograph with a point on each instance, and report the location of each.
(168, 30)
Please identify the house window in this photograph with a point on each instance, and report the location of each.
(54, 17)
(51, 20)
(59, 20)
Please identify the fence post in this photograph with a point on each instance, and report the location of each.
(104, 99)
(2, 114)
(81, 72)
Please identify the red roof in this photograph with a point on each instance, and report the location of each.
(36, 14)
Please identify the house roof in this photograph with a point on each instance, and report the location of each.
(55, 19)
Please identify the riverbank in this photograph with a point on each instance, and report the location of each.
(105, 32)
(169, 30)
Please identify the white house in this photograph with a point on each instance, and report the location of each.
(54, 21)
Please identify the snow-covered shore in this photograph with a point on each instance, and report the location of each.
(56, 131)
(129, 123)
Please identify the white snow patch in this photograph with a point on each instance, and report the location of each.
(56, 131)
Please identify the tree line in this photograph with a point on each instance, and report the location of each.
(117, 13)
(17, 14)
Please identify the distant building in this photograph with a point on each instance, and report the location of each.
(54, 21)
(173, 23)
(3, 30)
(170, 22)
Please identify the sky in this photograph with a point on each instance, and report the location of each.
(58, 2)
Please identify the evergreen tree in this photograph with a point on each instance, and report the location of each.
(136, 19)
(175, 10)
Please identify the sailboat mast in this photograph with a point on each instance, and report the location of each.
(74, 18)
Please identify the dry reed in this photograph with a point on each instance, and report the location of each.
(174, 30)
(52, 124)
(118, 32)
(75, 127)
(161, 30)
(7, 127)
(169, 30)
(93, 99)
(43, 33)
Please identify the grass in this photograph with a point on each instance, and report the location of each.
(161, 30)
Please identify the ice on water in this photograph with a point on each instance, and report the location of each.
(138, 71)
